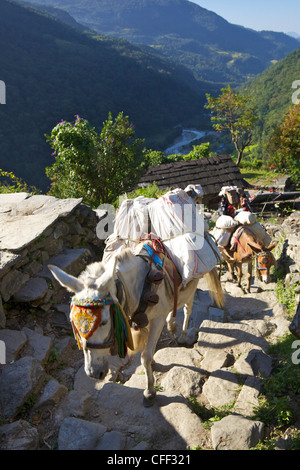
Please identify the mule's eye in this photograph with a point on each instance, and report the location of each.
(104, 322)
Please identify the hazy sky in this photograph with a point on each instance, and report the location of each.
(275, 15)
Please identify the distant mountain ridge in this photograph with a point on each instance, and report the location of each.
(214, 49)
(272, 93)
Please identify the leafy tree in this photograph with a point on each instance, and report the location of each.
(284, 145)
(199, 151)
(96, 167)
(10, 183)
(233, 112)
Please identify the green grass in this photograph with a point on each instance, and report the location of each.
(279, 403)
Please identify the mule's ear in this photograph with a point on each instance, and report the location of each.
(271, 247)
(66, 280)
(106, 281)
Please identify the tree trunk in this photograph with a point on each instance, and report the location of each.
(239, 159)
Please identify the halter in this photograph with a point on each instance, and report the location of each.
(259, 266)
(86, 316)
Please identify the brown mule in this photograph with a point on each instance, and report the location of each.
(244, 248)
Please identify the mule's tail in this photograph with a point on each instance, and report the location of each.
(215, 287)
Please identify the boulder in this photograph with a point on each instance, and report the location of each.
(236, 433)
(19, 381)
(221, 388)
(19, 435)
(14, 341)
(31, 216)
(254, 363)
(234, 338)
(248, 397)
(78, 434)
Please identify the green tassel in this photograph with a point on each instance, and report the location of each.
(120, 331)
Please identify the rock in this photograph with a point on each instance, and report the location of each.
(14, 341)
(221, 388)
(73, 261)
(52, 394)
(7, 260)
(170, 417)
(216, 314)
(31, 217)
(78, 434)
(41, 345)
(167, 358)
(9, 201)
(11, 283)
(73, 404)
(19, 381)
(295, 325)
(254, 363)
(248, 397)
(234, 338)
(236, 433)
(34, 290)
(19, 435)
(113, 440)
(214, 360)
(183, 381)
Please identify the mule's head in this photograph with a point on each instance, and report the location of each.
(265, 260)
(95, 291)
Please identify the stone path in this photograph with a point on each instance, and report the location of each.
(58, 406)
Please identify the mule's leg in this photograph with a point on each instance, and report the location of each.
(249, 276)
(187, 313)
(239, 268)
(231, 270)
(171, 323)
(155, 329)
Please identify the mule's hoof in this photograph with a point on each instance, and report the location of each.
(148, 401)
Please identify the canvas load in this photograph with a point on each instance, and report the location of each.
(176, 220)
(245, 218)
(260, 233)
(225, 222)
(221, 236)
(132, 221)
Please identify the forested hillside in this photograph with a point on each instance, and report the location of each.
(53, 72)
(212, 48)
(272, 94)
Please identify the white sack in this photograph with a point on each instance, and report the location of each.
(260, 233)
(130, 224)
(221, 236)
(176, 220)
(226, 222)
(245, 218)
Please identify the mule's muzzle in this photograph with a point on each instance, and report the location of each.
(98, 372)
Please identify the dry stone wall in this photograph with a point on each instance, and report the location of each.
(36, 231)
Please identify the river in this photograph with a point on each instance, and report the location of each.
(187, 137)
